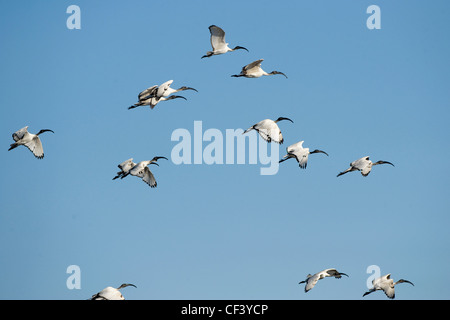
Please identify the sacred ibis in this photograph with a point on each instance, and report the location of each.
(269, 130)
(254, 70)
(141, 170)
(311, 280)
(387, 284)
(364, 165)
(218, 43)
(297, 151)
(110, 293)
(23, 138)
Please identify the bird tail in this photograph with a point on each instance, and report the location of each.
(118, 175)
(135, 105)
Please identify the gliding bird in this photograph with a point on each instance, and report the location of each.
(311, 280)
(386, 284)
(218, 43)
(297, 151)
(23, 138)
(364, 165)
(269, 130)
(254, 70)
(110, 293)
(141, 170)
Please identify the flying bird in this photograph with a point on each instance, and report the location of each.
(141, 170)
(218, 43)
(364, 165)
(32, 141)
(124, 167)
(311, 280)
(269, 130)
(297, 151)
(387, 284)
(254, 70)
(110, 293)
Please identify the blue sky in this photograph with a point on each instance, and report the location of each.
(224, 231)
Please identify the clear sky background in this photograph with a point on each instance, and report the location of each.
(225, 231)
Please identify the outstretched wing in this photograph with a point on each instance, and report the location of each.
(217, 37)
(147, 93)
(127, 165)
(302, 158)
(148, 177)
(254, 65)
(35, 146)
(311, 282)
(19, 134)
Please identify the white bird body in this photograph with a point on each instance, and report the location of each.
(254, 70)
(301, 154)
(386, 284)
(110, 293)
(269, 130)
(311, 280)
(32, 141)
(364, 165)
(218, 43)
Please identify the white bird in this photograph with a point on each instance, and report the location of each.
(141, 170)
(218, 43)
(386, 284)
(364, 165)
(311, 280)
(124, 167)
(254, 70)
(110, 293)
(269, 130)
(297, 151)
(23, 138)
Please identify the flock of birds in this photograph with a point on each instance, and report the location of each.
(268, 130)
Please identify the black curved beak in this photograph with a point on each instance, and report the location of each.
(159, 157)
(239, 47)
(319, 151)
(188, 88)
(45, 130)
(126, 285)
(282, 118)
(175, 97)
